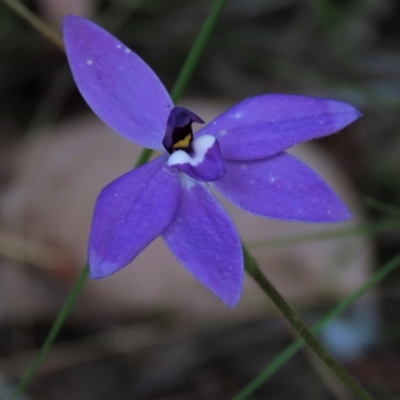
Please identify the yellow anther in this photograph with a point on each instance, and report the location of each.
(183, 143)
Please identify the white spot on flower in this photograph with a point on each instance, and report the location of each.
(238, 115)
(127, 51)
(186, 181)
(272, 178)
(89, 62)
(223, 132)
(329, 212)
(200, 148)
(119, 45)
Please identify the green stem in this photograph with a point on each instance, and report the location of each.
(144, 157)
(197, 50)
(291, 350)
(55, 329)
(181, 82)
(44, 28)
(298, 325)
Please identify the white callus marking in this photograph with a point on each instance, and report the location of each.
(200, 147)
(187, 182)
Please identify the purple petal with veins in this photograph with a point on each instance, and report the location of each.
(130, 213)
(263, 126)
(281, 187)
(204, 239)
(117, 84)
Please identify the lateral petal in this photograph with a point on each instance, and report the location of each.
(281, 187)
(263, 126)
(116, 83)
(203, 238)
(130, 213)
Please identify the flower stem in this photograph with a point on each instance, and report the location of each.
(55, 329)
(278, 361)
(144, 157)
(197, 50)
(298, 325)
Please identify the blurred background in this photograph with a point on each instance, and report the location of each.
(152, 331)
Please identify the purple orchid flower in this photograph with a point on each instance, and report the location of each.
(240, 153)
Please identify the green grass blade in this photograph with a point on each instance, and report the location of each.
(365, 229)
(286, 354)
(40, 25)
(385, 208)
(197, 50)
(55, 329)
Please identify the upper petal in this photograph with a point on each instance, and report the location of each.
(130, 213)
(205, 164)
(203, 238)
(262, 126)
(281, 187)
(116, 83)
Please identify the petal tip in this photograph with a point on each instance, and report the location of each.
(341, 215)
(348, 113)
(231, 302)
(99, 268)
(354, 114)
(69, 19)
(231, 295)
(335, 213)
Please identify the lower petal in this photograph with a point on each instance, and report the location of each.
(204, 239)
(281, 187)
(205, 164)
(130, 213)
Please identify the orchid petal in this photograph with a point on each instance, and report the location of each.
(116, 83)
(130, 213)
(203, 238)
(263, 126)
(281, 187)
(205, 164)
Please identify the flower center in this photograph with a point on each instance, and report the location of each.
(179, 134)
